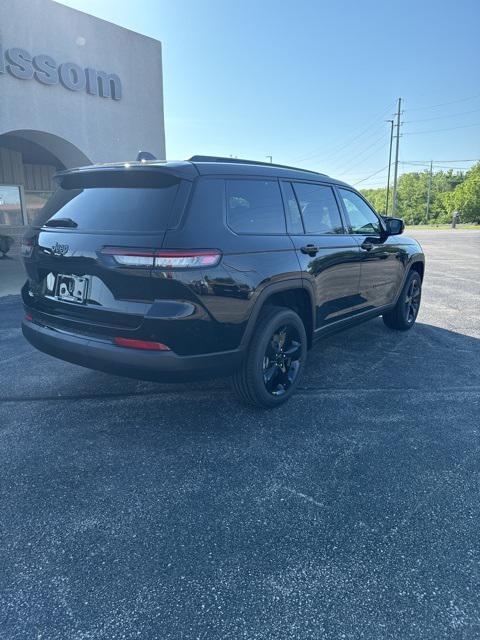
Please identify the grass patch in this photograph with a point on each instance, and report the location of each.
(460, 227)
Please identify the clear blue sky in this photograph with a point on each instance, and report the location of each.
(311, 82)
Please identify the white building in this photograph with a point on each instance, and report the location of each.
(73, 90)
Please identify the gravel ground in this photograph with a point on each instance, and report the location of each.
(135, 510)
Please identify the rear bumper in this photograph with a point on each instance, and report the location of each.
(162, 366)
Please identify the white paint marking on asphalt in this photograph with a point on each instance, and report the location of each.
(304, 496)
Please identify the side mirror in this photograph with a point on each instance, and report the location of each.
(395, 226)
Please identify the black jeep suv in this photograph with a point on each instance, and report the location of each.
(213, 266)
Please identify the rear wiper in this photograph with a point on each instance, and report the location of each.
(61, 222)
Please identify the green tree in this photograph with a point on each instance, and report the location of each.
(377, 198)
(449, 190)
(466, 197)
(412, 197)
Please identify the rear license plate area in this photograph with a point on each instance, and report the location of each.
(71, 288)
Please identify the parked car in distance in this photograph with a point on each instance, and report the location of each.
(210, 267)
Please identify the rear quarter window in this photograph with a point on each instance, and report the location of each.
(255, 206)
(111, 203)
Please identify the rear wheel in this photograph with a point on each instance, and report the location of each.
(403, 315)
(274, 361)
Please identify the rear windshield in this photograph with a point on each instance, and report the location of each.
(136, 203)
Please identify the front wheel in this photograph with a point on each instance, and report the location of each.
(403, 315)
(274, 361)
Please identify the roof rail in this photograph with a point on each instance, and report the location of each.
(254, 162)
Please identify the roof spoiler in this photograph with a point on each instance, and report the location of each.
(180, 170)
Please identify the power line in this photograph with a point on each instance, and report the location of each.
(444, 104)
(338, 151)
(413, 163)
(361, 153)
(347, 140)
(356, 174)
(351, 168)
(462, 126)
(451, 115)
(437, 166)
(443, 166)
(428, 161)
(371, 176)
(375, 185)
(339, 162)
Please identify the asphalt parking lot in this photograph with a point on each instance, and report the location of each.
(135, 510)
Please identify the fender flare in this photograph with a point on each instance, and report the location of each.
(269, 290)
(413, 259)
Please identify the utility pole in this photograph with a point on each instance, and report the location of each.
(395, 173)
(270, 158)
(429, 188)
(389, 165)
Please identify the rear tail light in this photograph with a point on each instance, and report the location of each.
(29, 317)
(187, 259)
(26, 248)
(164, 258)
(140, 344)
(131, 257)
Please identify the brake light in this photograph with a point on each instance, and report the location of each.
(140, 344)
(26, 248)
(29, 317)
(187, 259)
(164, 258)
(131, 257)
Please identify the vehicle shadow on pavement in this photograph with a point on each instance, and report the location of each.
(368, 357)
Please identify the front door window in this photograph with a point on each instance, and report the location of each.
(362, 220)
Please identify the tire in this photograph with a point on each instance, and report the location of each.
(274, 361)
(403, 315)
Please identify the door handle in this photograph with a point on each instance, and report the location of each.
(366, 246)
(310, 249)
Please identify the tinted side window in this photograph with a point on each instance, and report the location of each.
(319, 208)
(361, 218)
(255, 206)
(294, 219)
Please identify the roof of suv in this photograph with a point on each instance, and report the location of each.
(236, 166)
(209, 165)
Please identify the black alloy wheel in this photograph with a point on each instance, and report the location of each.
(403, 315)
(281, 362)
(275, 358)
(412, 300)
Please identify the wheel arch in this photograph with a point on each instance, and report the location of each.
(295, 294)
(416, 263)
(419, 267)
